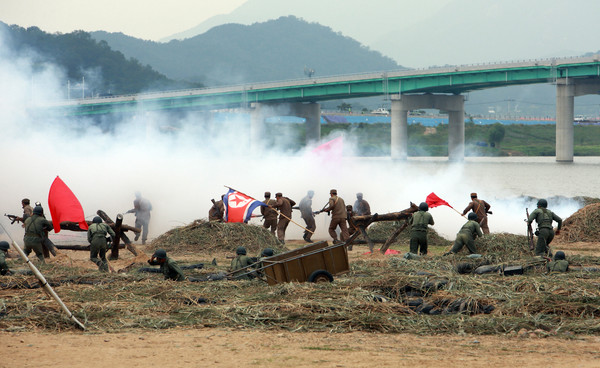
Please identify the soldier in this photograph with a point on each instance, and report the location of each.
(169, 267)
(361, 207)
(284, 205)
(96, 236)
(466, 235)
(269, 214)
(217, 211)
(4, 270)
(351, 227)
(420, 222)
(141, 208)
(308, 215)
(545, 232)
(35, 231)
(481, 209)
(27, 210)
(239, 264)
(339, 216)
(560, 264)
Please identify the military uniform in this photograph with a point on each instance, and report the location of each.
(269, 215)
(141, 208)
(3, 266)
(96, 236)
(466, 236)
(35, 230)
(420, 222)
(544, 218)
(217, 211)
(480, 208)
(339, 216)
(170, 269)
(561, 265)
(285, 208)
(308, 216)
(238, 263)
(361, 207)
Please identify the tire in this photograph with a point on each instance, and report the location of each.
(320, 276)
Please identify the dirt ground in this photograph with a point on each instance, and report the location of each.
(218, 347)
(224, 348)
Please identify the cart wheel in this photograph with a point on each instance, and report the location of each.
(320, 276)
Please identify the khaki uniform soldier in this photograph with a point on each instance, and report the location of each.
(141, 208)
(420, 222)
(308, 215)
(27, 210)
(269, 214)
(339, 216)
(351, 227)
(560, 264)
(35, 231)
(481, 208)
(96, 236)
(169, 267)
(361, 207)
(545, 233)
(4, 270)
(217, 211)
(239, 263)
(284, 205)
(466, 235)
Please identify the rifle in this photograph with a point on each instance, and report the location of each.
(14, 218)
(529, 230)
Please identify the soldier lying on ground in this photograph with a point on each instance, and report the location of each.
(169, 267)
(239, 264)
(4, 270)
(559, 264)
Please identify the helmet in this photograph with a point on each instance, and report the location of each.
(97, 220)
(359, 195)
(25, 201)
(559, 255)
(542, 203)
(38, 210)
(240, 251)
(311, 193)
(423, 206)
(472, 216)
(160, 254)
(4, 245)
(267, 252)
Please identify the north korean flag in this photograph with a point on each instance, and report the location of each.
(239, 206)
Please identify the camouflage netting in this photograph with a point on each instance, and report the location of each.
(582, 226)
(204, 236)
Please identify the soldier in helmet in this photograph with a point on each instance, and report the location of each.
(559, 264)
(36, 227)
(481, 208)
(339, 216)
(361, 207)
(466, 235)
(420, 222)
(545, 233)
(239, 264)
(269, 214)
(4, 270)
(141, 209)
(96, 236)
(169, 267)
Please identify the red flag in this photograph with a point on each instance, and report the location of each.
(433, 200)
(239, 206)
(64, 206)
(331, 150)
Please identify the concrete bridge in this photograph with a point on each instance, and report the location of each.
(434, 88)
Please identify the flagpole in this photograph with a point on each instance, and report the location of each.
(312, 232)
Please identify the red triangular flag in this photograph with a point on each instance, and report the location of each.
(331, 150)
(64, 206)
(433, 200)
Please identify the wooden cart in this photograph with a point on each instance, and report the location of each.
(316, 262)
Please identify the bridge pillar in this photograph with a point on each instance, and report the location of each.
(312, 113)
(399, 129)
(454, 105)
(257, 129)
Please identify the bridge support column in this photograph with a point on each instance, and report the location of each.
(399, 129)
(257, 129)
(312, 113)
(454, 105)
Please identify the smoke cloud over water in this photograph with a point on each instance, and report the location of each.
(179, 164)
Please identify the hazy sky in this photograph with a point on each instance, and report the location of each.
(146, 19)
